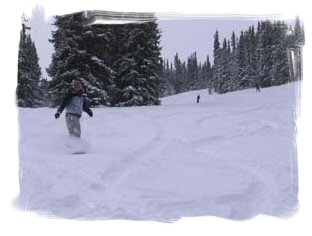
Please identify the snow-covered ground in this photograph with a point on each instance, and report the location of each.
(232, 156)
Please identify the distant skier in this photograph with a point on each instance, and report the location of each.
(75, 104)
(257, 87)
(198, 98)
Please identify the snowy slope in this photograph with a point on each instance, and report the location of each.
(231, 156)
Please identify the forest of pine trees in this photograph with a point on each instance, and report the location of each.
(268, 56)
(185, 76)
(121, 64)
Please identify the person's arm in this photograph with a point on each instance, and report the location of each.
(63, 105)
(86, 108)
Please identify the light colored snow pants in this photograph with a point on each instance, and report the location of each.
(73, 125)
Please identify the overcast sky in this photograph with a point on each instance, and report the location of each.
(183, 35)
(186, 36)
(41, 33)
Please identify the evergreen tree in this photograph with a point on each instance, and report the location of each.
(209, 75)
(29, 72)
(192, 73)
(139, 67)
(205, 74)
(273, 64)
(296, 42)
(242, 62)
(208, 69)
(166, 87)
(223, 82)
(280, 70)
(178, 77)
(251, 66)
(119, 65)
(78, 55)
(233, 64)
(216, 44)
(216, 67)
(184, 77)
(233, 41)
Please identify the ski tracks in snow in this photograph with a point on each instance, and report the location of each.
(227, 157)
(122, 168)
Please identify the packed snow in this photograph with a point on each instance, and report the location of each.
(232, 156)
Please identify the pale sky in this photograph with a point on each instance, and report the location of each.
(41, 33)
(186, 36)
(183, 35)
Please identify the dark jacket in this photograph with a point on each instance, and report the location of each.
(198, 97)
(75, 104)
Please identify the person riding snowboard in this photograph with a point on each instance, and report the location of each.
(75, 104)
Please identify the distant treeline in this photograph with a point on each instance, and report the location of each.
(269, 55)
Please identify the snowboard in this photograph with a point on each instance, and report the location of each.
(79, 153)
(77, 146)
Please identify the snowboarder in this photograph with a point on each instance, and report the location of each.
(257, 87)
(75, 104)
(198, 97)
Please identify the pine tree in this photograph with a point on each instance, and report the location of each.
(233, 41)
(251, 65)
(297, 41)
(280, 70)
(77, 56)
(242, 61)
(205, 74)
(223, 82)
(216, 67)
(184, 77)
(273, 63)
(166, 85)
(192, 82)
(216, 44)
(29, 72)
(233, 64)
(209, 74)
(138, 80)
(178, 76)
(119, 65)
